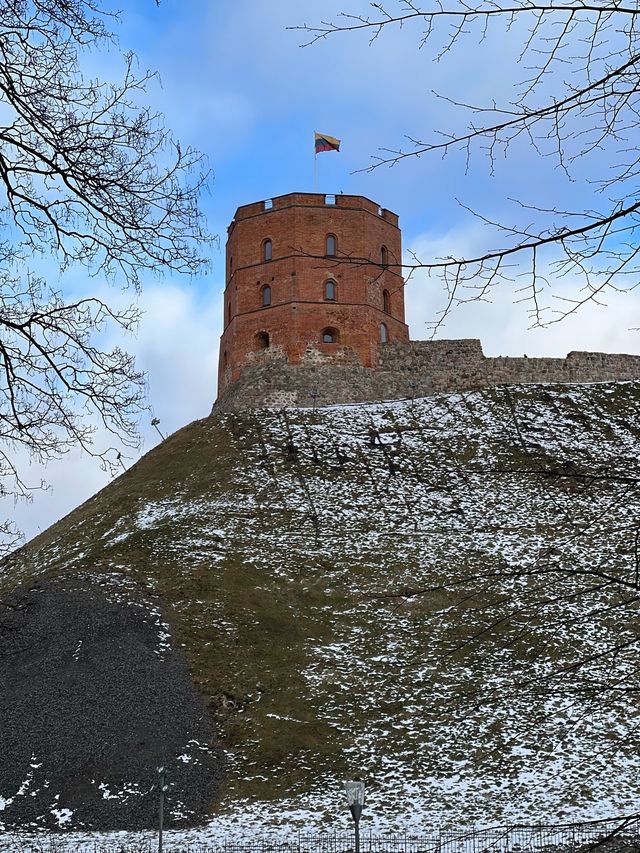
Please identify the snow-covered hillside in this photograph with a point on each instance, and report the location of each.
(439, 595)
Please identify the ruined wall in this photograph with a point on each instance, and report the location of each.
(461, 364)
(407, 369)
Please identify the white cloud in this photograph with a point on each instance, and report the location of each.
(177, 347)
(503, 323)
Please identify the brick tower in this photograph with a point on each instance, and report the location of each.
(311, 277)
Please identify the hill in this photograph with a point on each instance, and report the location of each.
(437, 594)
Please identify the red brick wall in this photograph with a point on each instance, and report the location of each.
(297, 225)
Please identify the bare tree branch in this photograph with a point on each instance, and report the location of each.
(90, 176)
(580, 102)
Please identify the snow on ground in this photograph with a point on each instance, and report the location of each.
(424, 495)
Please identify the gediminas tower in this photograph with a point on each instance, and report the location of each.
(311, 273)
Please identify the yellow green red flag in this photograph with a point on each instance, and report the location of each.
(326, 143)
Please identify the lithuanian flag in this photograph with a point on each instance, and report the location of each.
(326, 143)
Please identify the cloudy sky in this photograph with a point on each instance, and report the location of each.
(236, 83)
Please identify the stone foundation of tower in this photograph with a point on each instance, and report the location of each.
(408, 369)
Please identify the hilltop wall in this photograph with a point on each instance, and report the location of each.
(406, 369)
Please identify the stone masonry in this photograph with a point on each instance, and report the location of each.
(408, 369)
(289, 340)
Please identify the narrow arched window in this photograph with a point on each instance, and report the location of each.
(266, 296)
(267, 250)
(228, 313)
(331, 246)
(384, 333)
(386, 301)
(330, 291)
(384, 256)
(330, 336)
(262, 340)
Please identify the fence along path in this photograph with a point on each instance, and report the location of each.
(621, 836)
(617, 835)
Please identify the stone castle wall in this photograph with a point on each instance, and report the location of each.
(407, 369)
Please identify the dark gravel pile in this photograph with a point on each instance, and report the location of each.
(93, 698)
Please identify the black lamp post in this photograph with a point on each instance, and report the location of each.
(355, 799)
(162, 788)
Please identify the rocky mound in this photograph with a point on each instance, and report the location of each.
(94, 698)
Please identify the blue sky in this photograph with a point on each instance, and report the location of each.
(236, 84)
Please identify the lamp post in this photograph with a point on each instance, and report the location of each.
(162, 788)
(154, 423)
(355, 798)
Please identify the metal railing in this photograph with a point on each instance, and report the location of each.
(620, 835)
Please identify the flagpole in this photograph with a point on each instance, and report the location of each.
(315, 169)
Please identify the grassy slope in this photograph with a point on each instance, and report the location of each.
(273, 540)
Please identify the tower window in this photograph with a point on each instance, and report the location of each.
(384, 257)
(267, 250)
(330, 291)
(266, 296)
(330, 336)
(228, 313)
(384, 333)
(386, 301)
(331, 246)
(262, 340)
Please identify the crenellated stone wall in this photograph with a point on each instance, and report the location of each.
(406, 369)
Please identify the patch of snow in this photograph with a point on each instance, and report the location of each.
(63, 816)
(106, 793)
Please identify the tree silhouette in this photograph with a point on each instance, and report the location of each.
(577, 104)
(88, 176)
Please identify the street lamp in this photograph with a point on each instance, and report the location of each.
(355, 798)
(162, 788)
